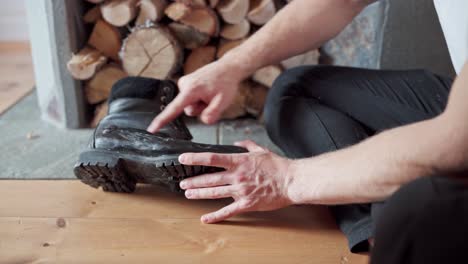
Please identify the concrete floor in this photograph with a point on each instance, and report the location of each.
(34, 149)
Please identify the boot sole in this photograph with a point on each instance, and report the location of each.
(116, 171)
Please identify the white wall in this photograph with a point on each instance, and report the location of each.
(13, 23)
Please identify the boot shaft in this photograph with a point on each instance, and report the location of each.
(135, 101)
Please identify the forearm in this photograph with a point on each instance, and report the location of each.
(377, 167)
(301, 26)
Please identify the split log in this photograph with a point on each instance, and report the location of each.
(106, 39)
(178, 10)
(226, 46)
(233, 11)
(84, 64)
(193, 2)
(98, 88)
(236, 31)
(199, 58)
(255, 98)
(150, 10)
(261, 11)
(203, 19)
(92, 15)
(119, 12)
(99, 113)
(188, 37)
(151, 52)
(267, 75)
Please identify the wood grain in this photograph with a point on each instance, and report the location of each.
(68, 222)
(16, 73)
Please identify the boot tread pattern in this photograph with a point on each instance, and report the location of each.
(111, 178)
(114, 178)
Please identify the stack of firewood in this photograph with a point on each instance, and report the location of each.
(167, 39)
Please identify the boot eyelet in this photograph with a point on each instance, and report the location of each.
(167, 89)
(164, 99)
(162, 107)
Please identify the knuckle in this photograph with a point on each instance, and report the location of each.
(213, 193)
(211, 158)
(246, 203)
(243, 191)
(241, 177)
(183, 82)
(190, 194)
(235, 159)
(250, 142)
(241, 158)
(228, 211)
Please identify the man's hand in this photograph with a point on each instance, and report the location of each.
(206, 92)
(301, 26)
(258, 181)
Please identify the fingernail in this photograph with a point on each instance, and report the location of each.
(188, 194)
(182, 158)
(152, 129)
(183, 185)
(237, 143)
(204, 219)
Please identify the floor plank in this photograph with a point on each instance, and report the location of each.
(68, 222)
(16, 73)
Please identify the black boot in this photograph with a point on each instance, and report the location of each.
(122, 153)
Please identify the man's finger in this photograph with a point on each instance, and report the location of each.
(207, 180)
(195, 109)
(250, 146)
(172, 110)
(224, 213)
(210, 193)
(213, 111)
(226, 161)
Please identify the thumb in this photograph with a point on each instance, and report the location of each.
(213, 111)
(250, 145)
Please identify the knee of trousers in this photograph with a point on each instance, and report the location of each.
(288, 85)
(424, 214)
(404, 205)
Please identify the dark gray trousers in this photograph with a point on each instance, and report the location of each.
(311, 110)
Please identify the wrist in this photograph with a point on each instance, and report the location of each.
(303, 184)
(293, 180)
(238, 64)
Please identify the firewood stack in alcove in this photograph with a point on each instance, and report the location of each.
(168, 39)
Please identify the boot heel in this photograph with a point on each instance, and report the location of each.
(98, 169)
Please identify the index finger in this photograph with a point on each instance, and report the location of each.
(226, 161)
(169, 113)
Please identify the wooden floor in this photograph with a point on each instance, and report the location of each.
(68, 222)
(16, 73)
(65, 221)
